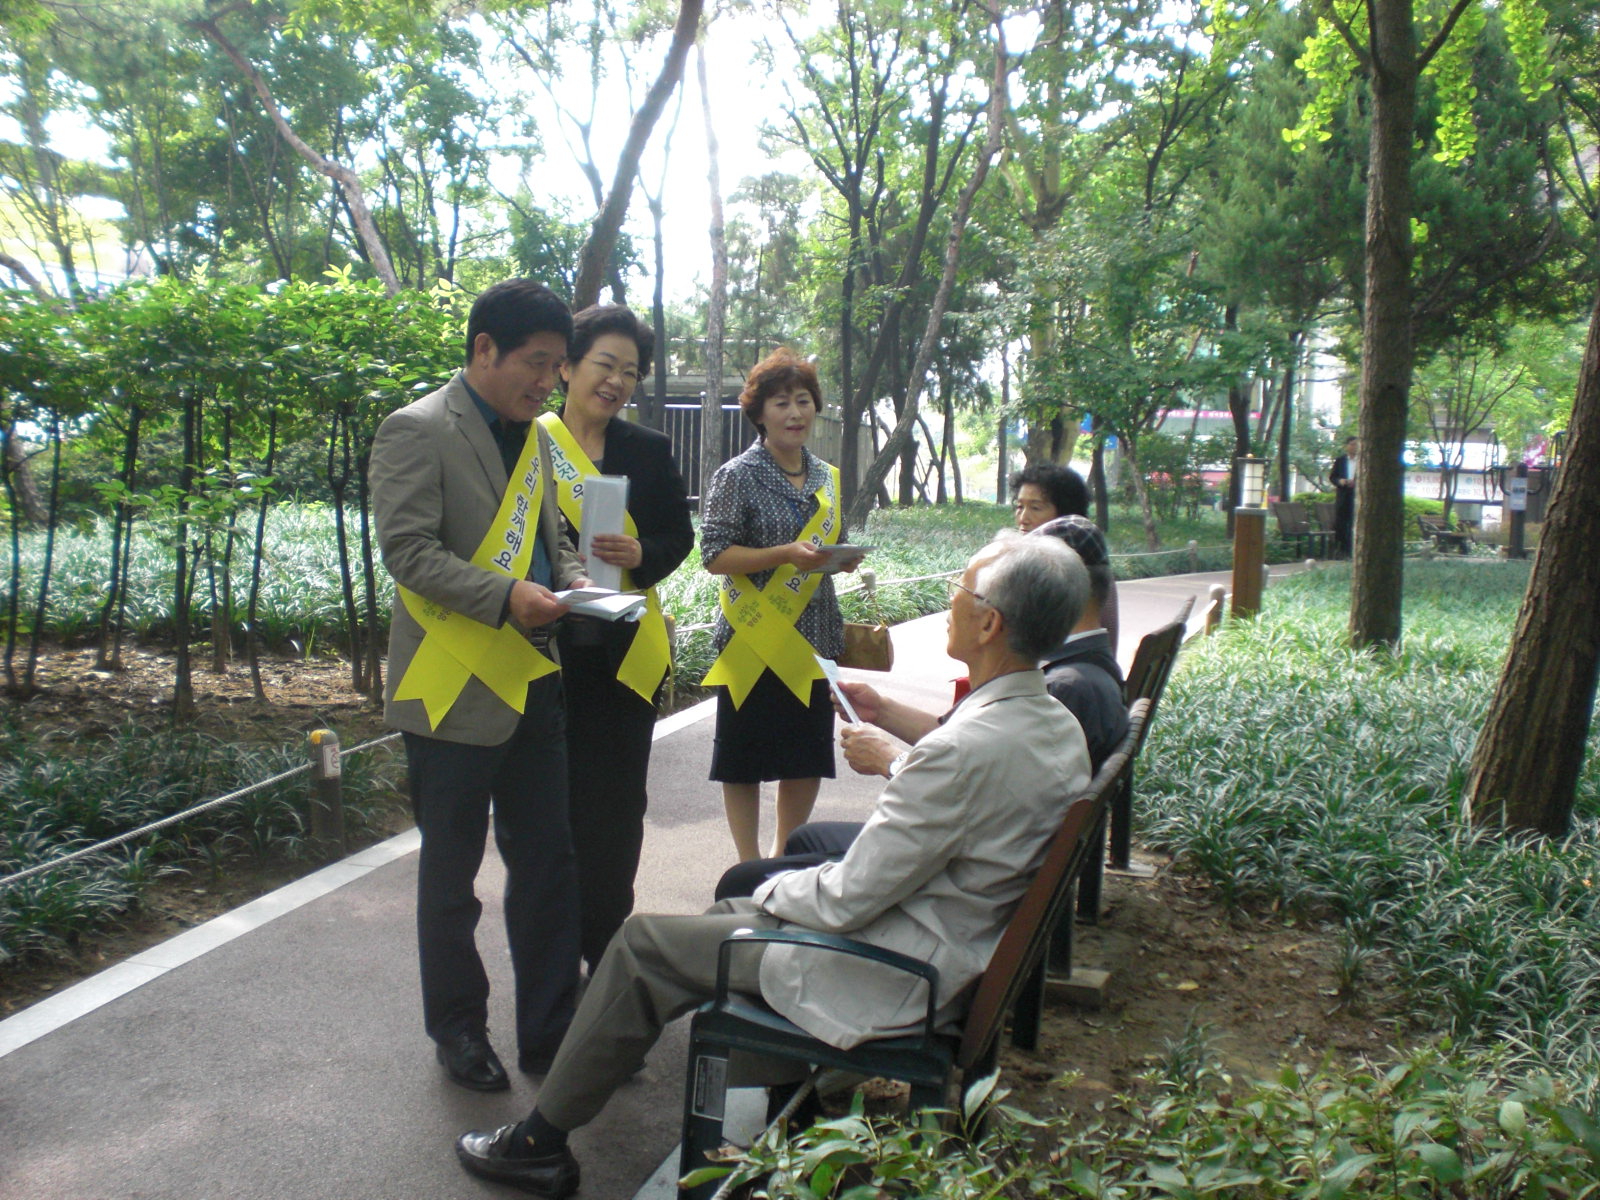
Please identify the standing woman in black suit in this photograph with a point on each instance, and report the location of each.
(613, 671)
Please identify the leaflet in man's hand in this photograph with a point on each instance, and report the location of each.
(605, 504)
(606, 603)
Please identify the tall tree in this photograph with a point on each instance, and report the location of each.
(1525, 766)
(602, 240)
(1381, 40)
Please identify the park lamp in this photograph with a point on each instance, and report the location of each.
(1249, 535)
(1252, 482)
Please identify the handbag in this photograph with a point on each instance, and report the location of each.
(867, 647)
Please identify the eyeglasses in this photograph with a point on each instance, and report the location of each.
(954, 585)
(628, 376)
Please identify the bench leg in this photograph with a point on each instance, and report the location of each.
(704, 1099)
(1029, 1006)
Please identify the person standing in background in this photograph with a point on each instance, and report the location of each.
(614, 670)
(468, 527)
(1343, 477)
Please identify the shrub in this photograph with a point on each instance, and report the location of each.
(1295, 772)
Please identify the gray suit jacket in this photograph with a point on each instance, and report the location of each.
(437, 480)
(937, 870)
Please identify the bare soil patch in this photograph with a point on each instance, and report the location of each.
(1259, 992)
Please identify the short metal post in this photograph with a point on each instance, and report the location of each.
(327, 793)
(869, 582)
(1194, 556)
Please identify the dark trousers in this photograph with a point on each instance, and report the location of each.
(813, 844)
(610, 729)
(452, 787)
(1344, 522)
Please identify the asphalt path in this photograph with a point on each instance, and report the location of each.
(277, 1051)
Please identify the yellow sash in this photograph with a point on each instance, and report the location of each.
(454, 646)
(649, 659)
(763, 619)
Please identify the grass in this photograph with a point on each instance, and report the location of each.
(1298, 774)
(56, 798)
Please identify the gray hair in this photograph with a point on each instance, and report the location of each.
(1039, 585)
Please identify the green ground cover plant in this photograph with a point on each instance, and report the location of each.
(56, 797)
(300, 609)
(1429, 1126)
(1296, 773)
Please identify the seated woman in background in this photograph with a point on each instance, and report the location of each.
(765, 514)
(1044, 491)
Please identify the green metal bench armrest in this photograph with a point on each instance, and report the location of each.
(839, 945)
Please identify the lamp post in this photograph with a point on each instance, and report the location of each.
(1249, 535)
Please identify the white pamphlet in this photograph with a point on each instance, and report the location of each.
(830, 669)
(606, 603)
(605, 504)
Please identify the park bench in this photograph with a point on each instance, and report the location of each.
(1442, 536)
(1294, 527)
(928, 1060)
(1326, 514)
(1147, 680)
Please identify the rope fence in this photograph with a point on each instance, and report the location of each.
(194, 811)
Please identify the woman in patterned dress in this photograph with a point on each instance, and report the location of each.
(751, 518)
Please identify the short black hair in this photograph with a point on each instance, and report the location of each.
(1086, 540)
(513, 311)
(1063, 486)
(594, 322)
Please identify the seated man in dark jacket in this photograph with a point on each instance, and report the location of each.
(1082, 672)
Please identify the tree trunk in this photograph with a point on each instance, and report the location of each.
(252, 638)
(1141, 489)
(349, 182)
(941, 300)
(1285, 428)
(108, 654)
(182, 679)
(20, 476)
(1001, 475)
(711, 404)
(596, 254)
(1525, 766)
(1387, 353)
(42, 612)
(369, 575)
(1097, 480)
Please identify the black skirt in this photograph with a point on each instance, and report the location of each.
(772, 735)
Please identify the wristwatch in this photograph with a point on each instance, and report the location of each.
(897, 762)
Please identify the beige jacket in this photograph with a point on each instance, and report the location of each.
(437, 480)
(951, 846)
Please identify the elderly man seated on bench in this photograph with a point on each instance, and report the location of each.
(948, 852)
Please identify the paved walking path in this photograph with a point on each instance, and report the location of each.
(277, 1052)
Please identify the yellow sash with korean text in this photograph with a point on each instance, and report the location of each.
(763, 619)
(455, 647)
(650, 657)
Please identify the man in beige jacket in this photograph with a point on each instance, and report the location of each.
(936, 872)
(467, 523)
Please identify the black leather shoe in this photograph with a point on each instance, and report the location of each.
(471, 1061)
(492, 1154)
